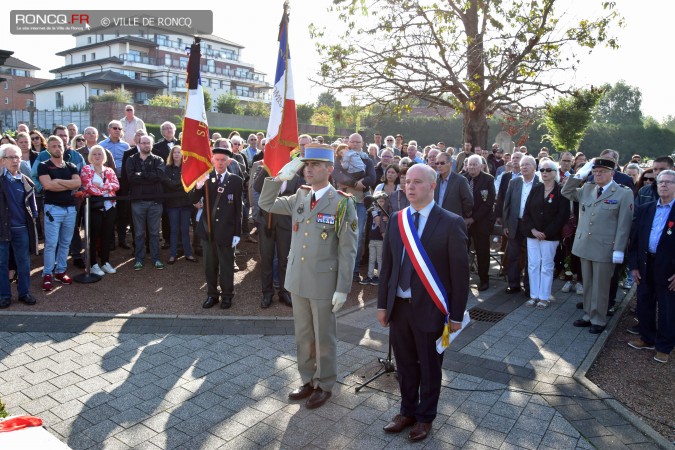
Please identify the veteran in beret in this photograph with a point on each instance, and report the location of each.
(324, 235)
(605, 217)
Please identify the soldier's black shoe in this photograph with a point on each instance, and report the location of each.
(285, 298)
(266, 301)
(27, 299)
(580, 305)
(209, 302)
(226, 302)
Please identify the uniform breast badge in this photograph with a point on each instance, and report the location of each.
(296, 227)
(324, 234)
(670, 228)
(355, 225)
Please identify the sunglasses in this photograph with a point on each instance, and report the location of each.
(115, 128)
(649, 180)
(79, 140)
(129, 110)
(547, 170)
(566, 160)
(35, 138)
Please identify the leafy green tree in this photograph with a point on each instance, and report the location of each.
(116, 95)
(167, 101)
(323, 116)
(208, 100)
(475, 56)
(228, 104)
(326, 99)
(669, 123)
(568, 120)
(305, 112)
(258, 109)
(620, 105)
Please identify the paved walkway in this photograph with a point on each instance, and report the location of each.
(196, 383)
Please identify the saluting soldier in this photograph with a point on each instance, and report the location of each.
(320, 263)
(222, 234)
(605, 216)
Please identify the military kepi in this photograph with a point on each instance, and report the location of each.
(222, 151)
(319, 153)
(604, 162)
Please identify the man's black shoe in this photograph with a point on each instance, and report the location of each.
(5, 302)
(356, 278)
(285, 298)
(580, 305)
(226, 302)
(209, 302)
(581, 323)
(596, 329)
(27, 299)
(79, 263)
(512, 290)
(266, 301)
(634, 330)
(484, 286)
(124, 245)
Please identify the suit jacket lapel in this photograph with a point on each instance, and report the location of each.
(447, 187)
(664, 232)
(430, 226)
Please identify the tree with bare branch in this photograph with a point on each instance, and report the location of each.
(476, 56)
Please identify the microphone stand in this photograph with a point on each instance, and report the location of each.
(387, 363)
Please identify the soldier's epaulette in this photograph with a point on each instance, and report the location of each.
(304, 186)
(624, 186)
(345, 194)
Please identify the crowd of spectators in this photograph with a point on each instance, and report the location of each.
(525, 202)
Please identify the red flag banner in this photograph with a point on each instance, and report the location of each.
(282, 128)
(195, 144)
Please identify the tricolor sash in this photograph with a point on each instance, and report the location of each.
(423, 266)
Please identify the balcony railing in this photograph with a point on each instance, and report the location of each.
(131, 57)
(206, 51)
(249, 94)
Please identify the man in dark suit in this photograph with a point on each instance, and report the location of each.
(452, 190)
(650, 258)
(512, 215)
(219, 239)
(482, 220)
(404, 303)
(274, 237)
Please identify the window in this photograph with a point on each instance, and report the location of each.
(6, 85)
(93, 56)
(59, 99)
(6, 100)
(84, 58)
(88, 39)
(102, 37)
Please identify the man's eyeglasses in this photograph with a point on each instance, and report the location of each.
(547, 170)
(566, 160)
(441, 163)
(115, 128)
(666, 182)
(129, 110)
(13, 158)
(236, 143)
(390, 140)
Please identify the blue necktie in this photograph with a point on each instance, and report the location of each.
(405, 277)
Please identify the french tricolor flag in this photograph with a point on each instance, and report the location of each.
(282, 129)
(195, 143)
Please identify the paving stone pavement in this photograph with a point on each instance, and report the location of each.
(190, 383)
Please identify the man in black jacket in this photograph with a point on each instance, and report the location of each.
(145, 172)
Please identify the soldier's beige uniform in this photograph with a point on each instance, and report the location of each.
(604, 227)
(320, 263)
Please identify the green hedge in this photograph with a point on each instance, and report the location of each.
(155, 130)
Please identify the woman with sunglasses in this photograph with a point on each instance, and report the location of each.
(37, 141)
(78, 142)
(648, 178)
(546, 211)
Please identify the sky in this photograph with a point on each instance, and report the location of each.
(641, 61)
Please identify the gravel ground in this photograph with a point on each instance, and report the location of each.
(633, 377)
(178, 289)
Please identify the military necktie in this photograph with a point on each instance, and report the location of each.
(405, 277)
(599, 192)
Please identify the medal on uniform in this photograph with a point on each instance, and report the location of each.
(324, 234)
(550, 198)
(296, 227)
(670, 228)
(301, 208)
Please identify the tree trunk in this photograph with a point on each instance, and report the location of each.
(476, 128)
